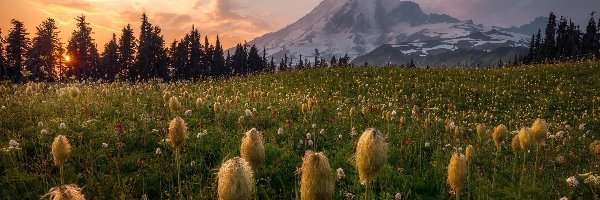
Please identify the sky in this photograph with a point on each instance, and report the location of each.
(236, 21)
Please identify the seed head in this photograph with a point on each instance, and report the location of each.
(177, 132)
(235, 180)
(253, 149)
(61, 150)
(317, 180)
(371, 154)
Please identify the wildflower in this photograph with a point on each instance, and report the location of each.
(340, 174)
(308, 135)
(40, 124)
(581, 127)
(564, 198)
(144, 197)
(457, 172)
(310, 143)
(201, 134)
(235, 179)
(339, 136)
(62, 126)
(349, 195)
(560, 134)
(371, 154)
(13, 144)
(252, 149)
(314, 126)
(317, 181)
(353, 132)
(44, 132)
(193, 163)
(104, 145)
(398, 196)
(158, 151)
(248, 113)
(3, 107)
(322, 131)
(280, 131)
(572, 181)
(188, 113)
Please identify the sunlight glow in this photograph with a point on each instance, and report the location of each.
(67, 58)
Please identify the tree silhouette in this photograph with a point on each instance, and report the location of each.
(17, 45)
(109, 66)
(44, 58)
(126, 49)
(82, 51)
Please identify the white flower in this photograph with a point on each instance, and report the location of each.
(155, 130)
(308, 135)
(340, 174)
(44, 132)
(248, 113)
(157, 151)
(188, 113)
(193, 163)
(452, 125)
(393, 112)
(280, 131)
(254, 110)
(560, 134)
(40, 124)
(427, 144)
(564, 198)
(144, 197)
(310, 143)
(62, 126)
(104, 145)
(202, 134)
(300, 142)
(398, 196)
(340, 136)
(314, 126)
(3, 107)
(353, 132)
(322, 131)
(572, 181)
(13, 144)
(581, 127)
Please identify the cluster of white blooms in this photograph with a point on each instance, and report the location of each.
(202, 134)
(340, 174)
(280, 131)
(12, 145)
(188, 113)
(572, 181)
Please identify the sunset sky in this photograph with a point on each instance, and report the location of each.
(239, 20)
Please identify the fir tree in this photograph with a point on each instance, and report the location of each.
(550, 40)
(590, 38)
(317, 55)
(151, 54)
(2, 59)
(109, 66)
(82, 51)
(218, 60)
(17, 44)
(254, 60)
(333, 61)
(126, 49)
(46, 52)
(207, 59)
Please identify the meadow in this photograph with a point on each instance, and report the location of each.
(118, 132)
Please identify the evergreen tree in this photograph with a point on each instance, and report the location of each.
(574, 40)
(272, 65)
(2, 59)
(151, 54)
(317, 55)
(17, 44)
(109, 66)
(300, 65)
(82, 51)
(532, 50)
(218, 59)
(228, 71)
(538, 46)
(550, 40)
(254, 60)
(590, 38)
(207, 60)
(46, 52)
(333, 61)
(238, 64)
(562, 38)
(126, 49)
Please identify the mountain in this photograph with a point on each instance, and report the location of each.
(357, 27)
(539, 23)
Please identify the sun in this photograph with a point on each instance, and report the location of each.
(67, 58)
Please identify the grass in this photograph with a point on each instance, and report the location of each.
(566, 95)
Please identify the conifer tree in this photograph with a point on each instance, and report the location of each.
(550, 40)
(109, 60)
(126, 49)
(590, 38)
(46, 53)
(82, 51)
(16, 48)
(218, 59)
(2, 59)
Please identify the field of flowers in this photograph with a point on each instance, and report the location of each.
(121, 149)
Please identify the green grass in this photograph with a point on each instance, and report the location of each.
(566, 95)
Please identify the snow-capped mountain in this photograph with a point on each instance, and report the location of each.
(356, 27)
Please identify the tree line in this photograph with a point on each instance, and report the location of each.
(128, 58)
(562, 40)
